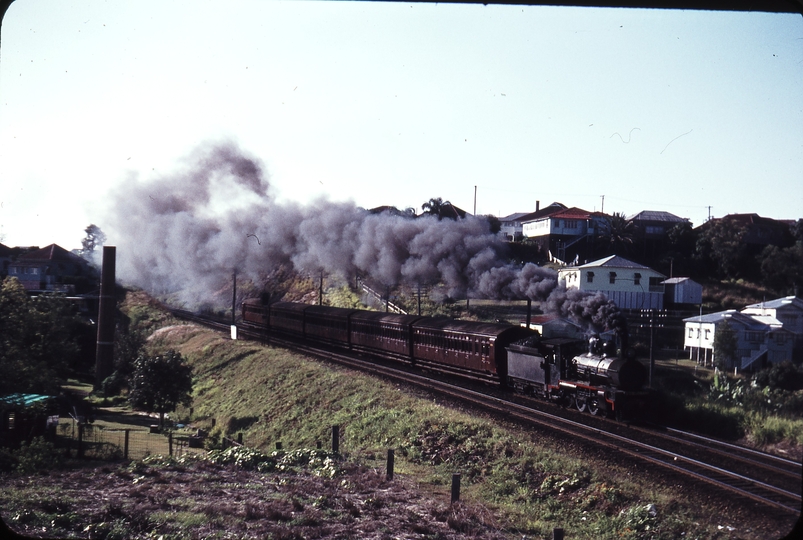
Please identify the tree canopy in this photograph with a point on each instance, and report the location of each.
(40, 340)
(725, 345)
(160, 383)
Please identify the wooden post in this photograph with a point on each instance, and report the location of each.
(170, 443)
(80, 441)
(125, 451)
(455, 488)
(318, 445)
(391, 459)
(557, 533)
(240, 438)
(278, 445)
(336, 439)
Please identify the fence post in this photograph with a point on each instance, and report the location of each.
(278, 445)
(240, 438)
(80, 441)
(455, 488)
(170, 444)
(318, 445)
(391, 458)
(335, 439)
(557, 533)
(125, 447)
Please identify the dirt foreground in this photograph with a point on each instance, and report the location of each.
(200, 499)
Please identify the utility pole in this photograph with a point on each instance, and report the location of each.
(475, 201)
(652, 324)
(234, 297)
(602, 210)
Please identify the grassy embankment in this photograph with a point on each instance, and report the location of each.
(531, 483)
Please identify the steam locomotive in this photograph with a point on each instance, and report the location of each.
(516, 358)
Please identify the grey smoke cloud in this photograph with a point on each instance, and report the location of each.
(185, 233)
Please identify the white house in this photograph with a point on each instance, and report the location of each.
(788, 311)
(758, 342)
(630, 285)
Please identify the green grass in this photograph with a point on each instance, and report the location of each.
(531, 484)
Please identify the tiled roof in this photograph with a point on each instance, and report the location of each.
(53, 252)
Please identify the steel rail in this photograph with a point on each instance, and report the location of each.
(756, 490)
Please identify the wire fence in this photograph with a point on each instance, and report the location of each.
(88, 441)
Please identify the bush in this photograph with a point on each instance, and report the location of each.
(783, 376)
(38, 455)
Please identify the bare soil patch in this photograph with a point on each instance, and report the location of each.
(204, 500)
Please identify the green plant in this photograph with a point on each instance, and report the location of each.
(38, 455)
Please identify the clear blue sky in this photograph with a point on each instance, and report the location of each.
(391, 104)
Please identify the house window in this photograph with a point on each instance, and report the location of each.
(590, 277)
(636, 279)
(753, 336)
(707, 333)
(656, 285)
(691, 332)
(571, 223)
(612, 277)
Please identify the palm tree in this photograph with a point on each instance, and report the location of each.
(435, 207)
(620, 234)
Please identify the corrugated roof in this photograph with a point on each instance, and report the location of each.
(729, 315)
(778, 303)
(24, 399)
(656, 215)
(614, 261)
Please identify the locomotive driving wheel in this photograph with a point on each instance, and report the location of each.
(593, 406)
(580, 404)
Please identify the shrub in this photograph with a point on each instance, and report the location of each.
(38, 455)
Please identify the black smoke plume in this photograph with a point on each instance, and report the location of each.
(186, 232)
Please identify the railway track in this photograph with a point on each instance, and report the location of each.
(771, 481)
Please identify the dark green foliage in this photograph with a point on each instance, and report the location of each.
(783, 376)
(725, 345)
(721, 248)
(128, 346)
(94, 238)
(782, 268)
(38, 455)
(160, 383)
(40, 341)
(618, 238)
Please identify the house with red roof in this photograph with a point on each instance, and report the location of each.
(51, 268)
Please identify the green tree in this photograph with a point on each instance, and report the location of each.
(94, 238)
(782, 268)
(440, 208)
(494, 225)
(680, 248)
(39, 340)
(725, 345)
(618, 238)
(160, 383)
(721, 248)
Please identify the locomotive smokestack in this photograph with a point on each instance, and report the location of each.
(104, 353)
